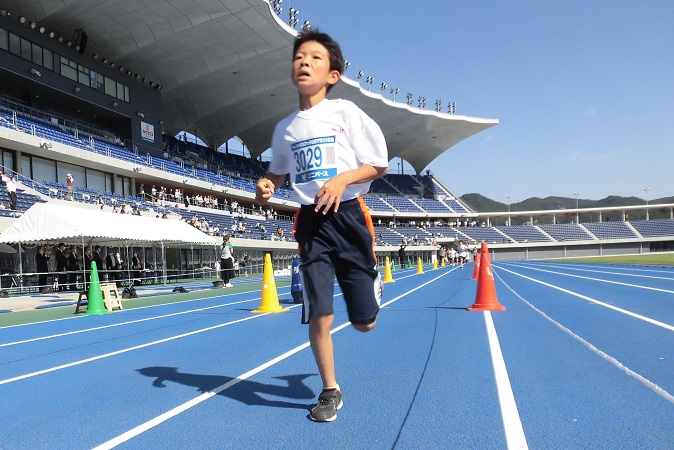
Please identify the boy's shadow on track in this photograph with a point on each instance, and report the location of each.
(245, 391)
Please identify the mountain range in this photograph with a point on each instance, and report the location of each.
(480, 203)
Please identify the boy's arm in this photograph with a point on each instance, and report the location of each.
(333, 189)
(266, 186)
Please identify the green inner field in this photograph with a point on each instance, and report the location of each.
(653, 259)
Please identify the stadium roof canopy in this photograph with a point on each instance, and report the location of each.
(224, 68)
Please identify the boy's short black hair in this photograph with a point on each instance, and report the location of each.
(335, 51)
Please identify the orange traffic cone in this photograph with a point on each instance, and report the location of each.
(388, 277)
(485, 298)
(476, 267)
(420, 268)
(269, 302)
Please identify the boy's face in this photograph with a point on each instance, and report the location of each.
(311, 69)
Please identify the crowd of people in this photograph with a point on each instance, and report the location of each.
(63, 265)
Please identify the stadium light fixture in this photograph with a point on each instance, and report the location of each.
(646, 189)
(394, 91)
(369, 81)
(422, 102)
(438, 105)
(410, 96)
(383, 87)
(360, 74)
(346, 65)
(292, 17)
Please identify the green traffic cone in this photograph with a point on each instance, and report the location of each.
(95, 304)
(409, 263)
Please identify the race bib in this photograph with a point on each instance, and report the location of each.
(314, 159)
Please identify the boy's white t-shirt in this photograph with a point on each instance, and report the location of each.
(332, 137)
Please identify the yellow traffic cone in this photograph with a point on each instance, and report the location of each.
(269, 302)
(388, 277)
(442, 262)
(435, 264)
(95, 303)
(420, 268)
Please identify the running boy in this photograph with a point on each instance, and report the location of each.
(332, 152)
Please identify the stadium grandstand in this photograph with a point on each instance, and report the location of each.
(107, 95)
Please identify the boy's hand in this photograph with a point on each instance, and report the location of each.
(330, 194)
(264, 191)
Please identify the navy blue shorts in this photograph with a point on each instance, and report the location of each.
(338, 245)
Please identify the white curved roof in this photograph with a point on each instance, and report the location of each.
(224, 67)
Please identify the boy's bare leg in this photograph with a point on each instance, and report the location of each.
(321, 344)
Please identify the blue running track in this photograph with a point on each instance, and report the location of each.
(582, 358)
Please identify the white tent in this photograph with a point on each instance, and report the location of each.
(45, 222)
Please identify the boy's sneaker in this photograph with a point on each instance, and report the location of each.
(328, 403)
(229, 285)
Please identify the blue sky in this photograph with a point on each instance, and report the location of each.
(584, 90)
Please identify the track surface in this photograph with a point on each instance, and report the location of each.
(583, 357)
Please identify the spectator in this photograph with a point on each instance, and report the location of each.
(111, 264)
(136, 266)
(401, 255)
(61, 265)
(73, 267)
(96, 258)
(42, 265)
(69, 182)
(10, 185)
(227, 261)
(87, 266)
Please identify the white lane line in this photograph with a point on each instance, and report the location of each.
(592, 300)
(515, 438)
(141, 307)
(610, 359)
(86, 330)
(601, 280)
(129, 349)
(205, 396)
(607, 272)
